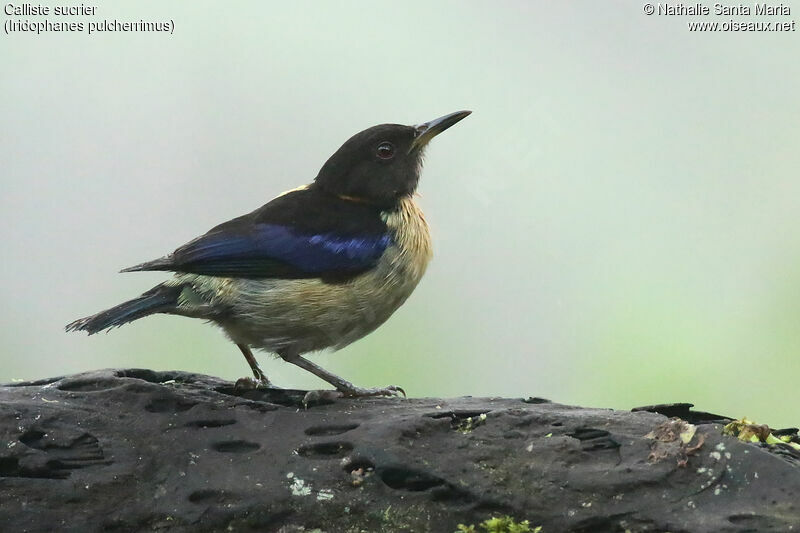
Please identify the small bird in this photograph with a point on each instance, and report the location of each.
(320, 266)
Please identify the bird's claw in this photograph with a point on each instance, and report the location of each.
(325, 396)
(248, 383)
(358, 392)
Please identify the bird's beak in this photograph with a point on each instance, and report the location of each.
(429, 130)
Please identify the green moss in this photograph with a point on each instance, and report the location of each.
(471, 423)
(500, 524)
(749, 431)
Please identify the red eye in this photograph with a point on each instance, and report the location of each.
(386, 150)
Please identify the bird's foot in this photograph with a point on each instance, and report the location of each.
(248, 383)
(358, 392)
(324, 396)
(261, 380)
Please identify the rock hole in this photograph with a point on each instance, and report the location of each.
(82, 451)
(10, 467)
(204, 424)
(330, 430)
(169, 405)
(89, 385)
(236, 446)
(32, 438)
(743, 518)
(594, 439)
(536, 400)
(459, 415)
(462, 420)
(325, 450)
(588, 433)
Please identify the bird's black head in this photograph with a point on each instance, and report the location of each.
(381, 165)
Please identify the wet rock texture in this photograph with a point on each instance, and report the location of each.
(138, 450)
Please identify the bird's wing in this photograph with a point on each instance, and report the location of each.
(298, 235)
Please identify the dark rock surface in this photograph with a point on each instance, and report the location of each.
(138, 450)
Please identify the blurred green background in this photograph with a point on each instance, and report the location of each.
(617, 224)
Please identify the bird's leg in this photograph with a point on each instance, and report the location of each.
(260, 377)
(346, 388)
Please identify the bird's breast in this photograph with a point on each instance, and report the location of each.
(412, 250)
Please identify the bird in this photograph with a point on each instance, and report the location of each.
(317, 267)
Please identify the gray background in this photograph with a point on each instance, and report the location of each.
(615, 225)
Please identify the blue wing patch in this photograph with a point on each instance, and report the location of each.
(271, 249)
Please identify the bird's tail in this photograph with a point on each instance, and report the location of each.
(158, 299)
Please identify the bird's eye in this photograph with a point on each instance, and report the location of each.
(386, 150)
